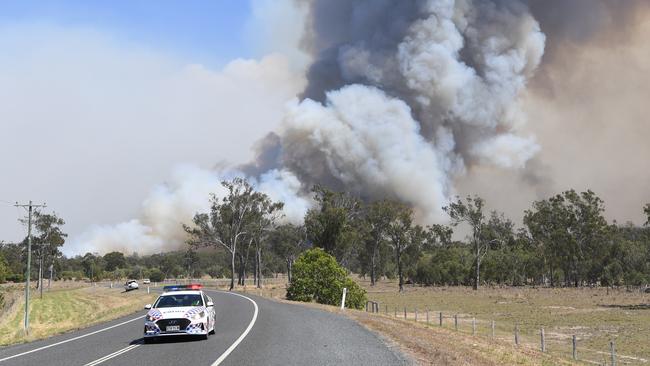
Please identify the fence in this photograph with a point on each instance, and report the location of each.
(557, 344)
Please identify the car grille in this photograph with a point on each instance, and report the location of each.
(182, 323)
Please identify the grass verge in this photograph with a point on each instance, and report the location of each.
(427, 344)
(60, 311)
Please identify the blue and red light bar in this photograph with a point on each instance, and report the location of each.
(193, 286)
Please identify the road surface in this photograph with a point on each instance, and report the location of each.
(250, 331)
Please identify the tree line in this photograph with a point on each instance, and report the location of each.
(564, 240)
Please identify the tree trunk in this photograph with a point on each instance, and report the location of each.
(242, 270)
(40, 276)
(259, 267)
(289, 265)
(399, 270)
(477, 262)
(49, 281)
(232, 271)
(373, 277)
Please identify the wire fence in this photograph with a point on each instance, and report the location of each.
(554, 343)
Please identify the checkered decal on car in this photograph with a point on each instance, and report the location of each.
(155, 314)
(194, 328)
(193, 311)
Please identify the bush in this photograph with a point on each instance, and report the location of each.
(156, 275)
(318, 277)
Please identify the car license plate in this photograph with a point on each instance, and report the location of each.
(173, 328)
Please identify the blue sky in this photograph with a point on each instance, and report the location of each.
(211, 32)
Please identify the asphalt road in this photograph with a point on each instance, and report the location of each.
(250, 331)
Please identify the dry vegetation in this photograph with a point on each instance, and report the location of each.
(430, 345)
(65, 309)
(594, 315)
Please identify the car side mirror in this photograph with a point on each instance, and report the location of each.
(210, 303)
(147, 307)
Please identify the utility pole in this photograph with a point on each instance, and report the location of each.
(30, 208)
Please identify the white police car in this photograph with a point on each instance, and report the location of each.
(180, 310)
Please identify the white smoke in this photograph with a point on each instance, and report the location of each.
(401, 99)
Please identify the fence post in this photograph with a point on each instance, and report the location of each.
(575, 348)
(456, 321)
(612, 349)
(416, 315)
(543, 340)
(516, 334)
(345, 291)
(473, 326)
(386, 309)
(441, 318)
(405, 313)
(427, 315)
(396, 311)
(493, 326)
(147, 289)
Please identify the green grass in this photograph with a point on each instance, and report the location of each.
(593, 315)
(64, 310)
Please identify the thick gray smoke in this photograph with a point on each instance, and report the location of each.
(404, 96)
(403, 99)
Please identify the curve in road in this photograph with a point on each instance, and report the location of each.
(250, 331)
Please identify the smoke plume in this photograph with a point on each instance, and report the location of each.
(410, 100)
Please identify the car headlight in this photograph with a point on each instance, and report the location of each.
(198, 316)
(149, 318)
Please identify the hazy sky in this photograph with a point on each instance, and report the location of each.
(102, 101)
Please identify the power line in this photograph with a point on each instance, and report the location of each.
(30, 207)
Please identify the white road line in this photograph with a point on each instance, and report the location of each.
(112, 355)
(243, 335)
(69, 340)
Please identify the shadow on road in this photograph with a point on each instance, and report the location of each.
(169, 339)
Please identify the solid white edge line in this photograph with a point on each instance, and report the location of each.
(69, 340)
(112, 355)
(243, 335)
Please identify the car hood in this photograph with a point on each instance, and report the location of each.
(179, 312)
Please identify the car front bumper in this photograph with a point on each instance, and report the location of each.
(198, 327)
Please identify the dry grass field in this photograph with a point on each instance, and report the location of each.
(65, 309)
(596, 316)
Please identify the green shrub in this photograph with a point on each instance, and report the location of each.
(156, 275)
(318, 277)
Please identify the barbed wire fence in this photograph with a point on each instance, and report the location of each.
(559, 344)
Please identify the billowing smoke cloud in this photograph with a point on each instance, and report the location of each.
(404, 96)
(404, 99)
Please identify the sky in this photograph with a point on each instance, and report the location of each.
(209, 32)
(102, 103)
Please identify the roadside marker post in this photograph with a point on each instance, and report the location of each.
(473, 326)
(416, 315)
(427, 315)
(441, 318)
(612, 349)
(456, 321)
(516, 334)
(345, 290)
(575, 347)
(543, 340)
(493, 326)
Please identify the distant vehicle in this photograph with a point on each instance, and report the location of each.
(146, 281)
(131, 285)
(180, 310)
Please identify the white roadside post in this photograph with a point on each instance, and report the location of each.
(345, 290)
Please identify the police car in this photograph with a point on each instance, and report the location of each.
(180, 310)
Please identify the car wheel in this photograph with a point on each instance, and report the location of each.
(149, 340)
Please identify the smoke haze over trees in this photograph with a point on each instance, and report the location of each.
(409, 101)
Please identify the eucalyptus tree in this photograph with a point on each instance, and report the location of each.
(228, 220)
(332, 223)
(471, 213)
(47, 241)
(377, 217)
(646, 210)
(400, 234)
(288, 241)
(267, 214)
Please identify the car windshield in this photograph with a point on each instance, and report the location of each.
(170, 301)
